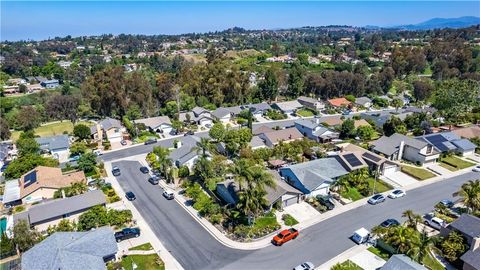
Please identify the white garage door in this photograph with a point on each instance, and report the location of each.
(287, 200)
(389, 170)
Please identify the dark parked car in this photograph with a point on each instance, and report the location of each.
(127, 233)
(150, 141)
(153, 180)
(447, 203)
(389, 223)
(123, 142)
(190, 132)
(326, 201)
(144, 169)
(130, 196)
(115, 171)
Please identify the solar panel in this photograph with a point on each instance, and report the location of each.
(438, 142)
(30, 179)
(371, 157)
(352, 160)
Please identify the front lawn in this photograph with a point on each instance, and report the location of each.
(352, 194)
(454, 163)
(52, 129)
(432, 263)
(150, 261)
(289, 220)
(346, 265)
(417, 173)
(380, 186)
(304, 113)
(380, 252)
(146, 246)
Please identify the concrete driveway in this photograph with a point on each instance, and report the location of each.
(301, 211)
(401, 178)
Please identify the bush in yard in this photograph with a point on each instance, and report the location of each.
(119, 217)
(81, 131)
(87, 162)
(216, 218)
(453, 246)
(183, 171)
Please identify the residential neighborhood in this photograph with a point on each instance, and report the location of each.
(347, 145)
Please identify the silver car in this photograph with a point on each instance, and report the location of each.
(305, 266)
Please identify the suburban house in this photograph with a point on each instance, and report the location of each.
(198, 116)
(315, 131)
(50, 84)
(338, 102)
(450, 142)
(109, 128)
(257, 142)
(332, 121)
(311, 103)
(380, 118)
(360, 123)
(257, 109)
(287, 107)
(72, 250)
(57, 146)
(186, 153)
(413, 109)
(261, 129)
(274, 137)
(6, 153)
(39, 184)
(402, 262)
(398, 147)
(315, 177)
(159, 124)
(375, 162)
(467, 225)
(41, 216)
(468, 132)
(363, 102)
(282, 194)
(222, 115)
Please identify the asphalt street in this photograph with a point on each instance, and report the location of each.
(195, 248)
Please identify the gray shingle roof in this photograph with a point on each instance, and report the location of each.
(154, 122)
(57, 208)
(402, 262)
(472, 257)
(467, 225)
(199, 110)
(109, 123)
(464, 144)
(289, 105)
(307, 100)
(313, 173)
(221, 112)
(186, 151)
(389, 145)
(306, 123)
(281, 188)
(72, 250)
(256, 142)
(362, 101)
(53, 142)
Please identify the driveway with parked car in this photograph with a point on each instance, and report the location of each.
(195, 248)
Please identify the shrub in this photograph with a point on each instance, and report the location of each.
(183, 171)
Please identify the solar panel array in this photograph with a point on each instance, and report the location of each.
(371, 157)
(30, 179)
(352, 160)
(440, 143)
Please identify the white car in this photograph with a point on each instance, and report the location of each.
(305, 266)
(397, 193)
(476, 168)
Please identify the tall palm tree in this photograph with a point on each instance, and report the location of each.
(403, 238)
(413, 219)
(163, 159)
(470, 195)
(203, 146)
(422, 247)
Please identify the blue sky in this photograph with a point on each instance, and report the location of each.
(41, 20)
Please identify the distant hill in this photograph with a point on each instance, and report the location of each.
(438, 23)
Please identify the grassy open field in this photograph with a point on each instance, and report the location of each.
(52, 129)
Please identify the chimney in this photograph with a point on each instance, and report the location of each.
(475, 243)
(63, 194)
(317, 120)
(400, 150)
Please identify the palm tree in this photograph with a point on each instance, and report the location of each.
(203, 146)
(413, 219)
(422, 247)
(163, 159)
(403, 238)
(470, 195)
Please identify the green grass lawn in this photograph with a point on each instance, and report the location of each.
(52, 129)
(304, 113)
(265, 221)
(151, 261)
(417, 173)
(289, 220)
(380, 253)
(455, 163)
(447, 166)
(146, 246)
(352, 194)
(432, 263)
(380, 186)
(346, 265)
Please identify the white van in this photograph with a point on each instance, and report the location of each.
(361, 236)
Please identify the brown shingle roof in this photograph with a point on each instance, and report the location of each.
(287, 134)
(361, 122)
(468, 132)
(332, 121)
(47, 177)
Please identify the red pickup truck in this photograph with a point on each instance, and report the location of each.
(284, 236)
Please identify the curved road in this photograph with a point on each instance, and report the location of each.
(194, 248)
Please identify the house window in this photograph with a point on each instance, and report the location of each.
(429, 149)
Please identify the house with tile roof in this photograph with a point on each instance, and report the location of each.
(274, 137)
(72, 250)
(338, 102)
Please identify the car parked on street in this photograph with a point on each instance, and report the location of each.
(130, 196)
(144, 169)
(284, 236)
(397, 193)
(116, 171)
(190, 132)
(150, 141)
(389, 223)
(434, 222)
(447, 203)
(476, 168)
(376, 199)
(305, 266)
(127, 233)
(325, 201)
(98, 152)
(168, 194)
(154, 180)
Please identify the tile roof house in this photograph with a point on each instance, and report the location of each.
(398, 147)
(315, 131)
(41, 216)
(468, 132)
(287, 107)
(57, 146)
(315, 177)
(450, 142)
(339, 102)
(41, 183)
(274, 137)
(311, 103)
(402, 262)
(110, 128)
(159, 124)
(73, 251)
(364, 102)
